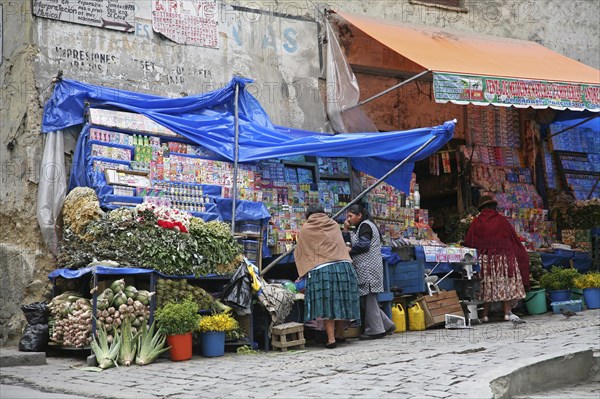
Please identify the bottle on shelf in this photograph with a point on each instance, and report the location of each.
(417, 197)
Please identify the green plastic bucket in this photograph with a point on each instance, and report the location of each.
(535, 301)
(577, 294)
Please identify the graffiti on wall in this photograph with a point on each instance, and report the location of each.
(110, 14)
(192, 22)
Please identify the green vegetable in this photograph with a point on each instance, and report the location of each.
(120, 299)
(106, 354)
(130, 291)
(128, 344)
(117, 286)
(150, 345)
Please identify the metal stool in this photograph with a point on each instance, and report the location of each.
(292, 331)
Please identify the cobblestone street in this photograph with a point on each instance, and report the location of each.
(429, 364)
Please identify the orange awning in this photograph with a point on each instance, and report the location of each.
(449, 53)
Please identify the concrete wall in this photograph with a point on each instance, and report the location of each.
(274, 42)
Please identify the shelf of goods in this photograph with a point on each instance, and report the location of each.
(117, 293)
(580, 173)
(132, 164)
(498, 166)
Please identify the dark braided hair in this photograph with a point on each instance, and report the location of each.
(314, 209)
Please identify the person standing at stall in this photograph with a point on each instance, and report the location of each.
(331, 291)
(365, 249)
(503, 259)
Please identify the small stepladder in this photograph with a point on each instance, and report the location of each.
(288, 335)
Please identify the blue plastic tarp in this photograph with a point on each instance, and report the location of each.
(582, 263)
(208, 120)
(68, 273)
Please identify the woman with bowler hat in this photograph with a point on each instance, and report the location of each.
(503, 259)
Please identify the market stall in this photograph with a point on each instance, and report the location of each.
(168, 163)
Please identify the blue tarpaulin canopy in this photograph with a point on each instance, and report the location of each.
(209, 120)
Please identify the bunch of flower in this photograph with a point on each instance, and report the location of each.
(166, 217)
(217, 322)
(589, 280)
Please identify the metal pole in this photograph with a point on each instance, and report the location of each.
(593, 188)
(355, 200)
(571, 127)
(235, 158)
(386, 91)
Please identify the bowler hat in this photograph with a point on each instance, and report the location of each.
(485, 200)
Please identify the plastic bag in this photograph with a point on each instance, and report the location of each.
(36, 313)
(237, 293)
(34, 339)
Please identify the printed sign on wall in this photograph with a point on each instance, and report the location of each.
(193, 22)
(110, 14)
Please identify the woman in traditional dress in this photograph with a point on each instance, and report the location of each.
(365, 249)
(503, 259)
(331, 291)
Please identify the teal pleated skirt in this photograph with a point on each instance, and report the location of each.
(332, 293)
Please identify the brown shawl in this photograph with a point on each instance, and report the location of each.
(319, 241)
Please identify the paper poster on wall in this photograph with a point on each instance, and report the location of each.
(109, 14)
(193, 22)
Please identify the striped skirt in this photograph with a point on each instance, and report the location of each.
(332, 293)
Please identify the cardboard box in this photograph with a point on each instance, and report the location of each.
(438, 305)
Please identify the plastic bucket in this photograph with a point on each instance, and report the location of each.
(213, 343)
(592, 298)
(577, 295)
(559, 295)
(181, 346)
(535, 301)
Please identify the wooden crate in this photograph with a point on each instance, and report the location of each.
(288, 335)
(438, 305)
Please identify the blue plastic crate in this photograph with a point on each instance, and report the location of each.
(573, 305)
(408, 276)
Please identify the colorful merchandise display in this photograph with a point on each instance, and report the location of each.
(498, 167)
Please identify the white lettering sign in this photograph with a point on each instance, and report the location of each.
(110, 14)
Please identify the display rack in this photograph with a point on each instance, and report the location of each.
(578, 173)
(99, 276)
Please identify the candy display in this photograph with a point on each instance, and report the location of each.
(493, 126)
(497, 166)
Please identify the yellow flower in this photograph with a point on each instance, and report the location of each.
(217, 322)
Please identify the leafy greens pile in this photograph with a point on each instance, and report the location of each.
(133, 239)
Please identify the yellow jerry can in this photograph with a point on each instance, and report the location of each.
(399, 318)
(416, 318)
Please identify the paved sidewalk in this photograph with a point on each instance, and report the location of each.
(428, 364)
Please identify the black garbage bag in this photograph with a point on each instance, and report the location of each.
(34, 339)
(36, 313)
(237, 293)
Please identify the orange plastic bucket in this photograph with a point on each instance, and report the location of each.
(181, 346)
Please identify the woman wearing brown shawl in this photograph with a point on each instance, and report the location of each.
(331, 291)
(503, 259)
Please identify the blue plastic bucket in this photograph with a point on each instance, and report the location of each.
(535, 301)
(559, 295)
(592, 298)
(213, 343)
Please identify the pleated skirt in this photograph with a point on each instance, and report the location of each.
(332, 293)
